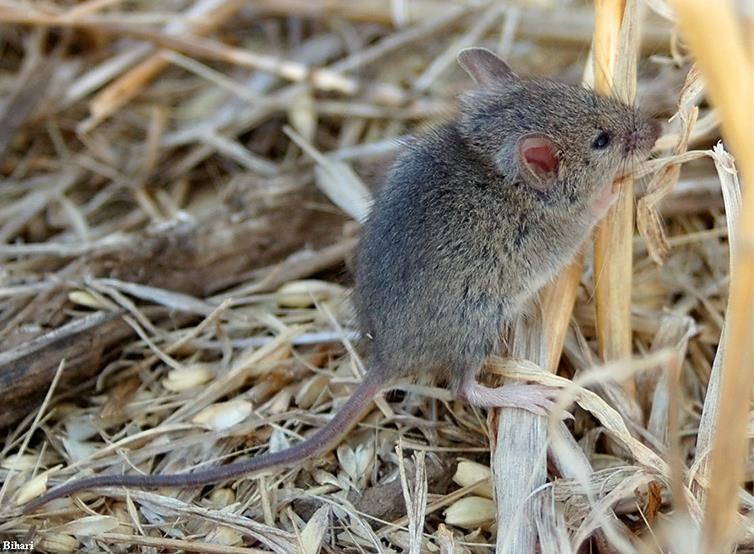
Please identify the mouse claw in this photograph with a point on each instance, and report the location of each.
(537, 399)
(543, 400)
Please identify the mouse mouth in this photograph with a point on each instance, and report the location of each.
(631, 162)
(604, 198)
(631, 165)
(638, 145)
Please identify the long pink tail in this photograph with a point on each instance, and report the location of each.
(323, 440)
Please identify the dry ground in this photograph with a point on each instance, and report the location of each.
(180, 184)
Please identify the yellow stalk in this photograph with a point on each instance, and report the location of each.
(715, 38)
(613, 246)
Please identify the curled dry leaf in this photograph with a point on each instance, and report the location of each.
(223, 414)
(648, 219)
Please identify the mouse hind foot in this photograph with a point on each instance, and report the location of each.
(537, 399)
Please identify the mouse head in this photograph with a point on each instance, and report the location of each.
(564, 142)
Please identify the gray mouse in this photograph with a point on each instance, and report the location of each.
(475, 216)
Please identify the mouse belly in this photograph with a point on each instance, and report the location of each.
(424, 332)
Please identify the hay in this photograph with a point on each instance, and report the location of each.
(180, 190)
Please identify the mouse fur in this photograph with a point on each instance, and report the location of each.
(460, 236)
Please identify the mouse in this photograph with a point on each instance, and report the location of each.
(474, 217)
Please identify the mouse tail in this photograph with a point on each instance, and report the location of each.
(323, 440)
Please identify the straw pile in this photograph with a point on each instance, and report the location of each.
(180, 190)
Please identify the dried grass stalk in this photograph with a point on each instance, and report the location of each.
(716, 40)
(190, 211)
(616, 42)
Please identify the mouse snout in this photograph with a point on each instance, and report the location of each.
(644, 136)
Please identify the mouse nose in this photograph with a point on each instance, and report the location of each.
(643, 136)
(633, 140)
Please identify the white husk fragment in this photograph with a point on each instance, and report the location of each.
(223, 415)
(314, 532)
(32, 489)
(305, 293)
(19, 462)
(472, 473)
(90, 526)
(84, 298)
(225, 535)
(58, 543)
(471, 512)
(220, 498)
(187, 378)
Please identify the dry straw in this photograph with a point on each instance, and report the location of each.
(616, 45)
(181, 186)
(717, 42)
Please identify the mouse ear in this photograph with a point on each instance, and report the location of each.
(538, 157)
(485, 67)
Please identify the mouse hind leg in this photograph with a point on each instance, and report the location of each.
(537, 399)
(474, 348)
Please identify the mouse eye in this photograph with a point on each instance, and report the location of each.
(602, 140)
